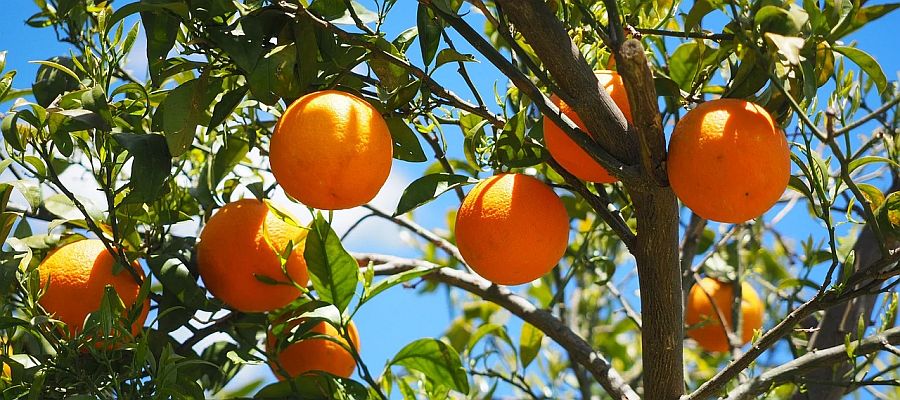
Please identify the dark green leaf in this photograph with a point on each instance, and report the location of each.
(406, 144)
(427, 188)
(867, 64)
(429, 32)
(151, 166)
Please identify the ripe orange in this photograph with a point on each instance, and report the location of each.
(316, 354)
(243, 240)
(728, 160)
(331, 150)
(78, 274)
(512, 229)
(568, 153)
(711, 336)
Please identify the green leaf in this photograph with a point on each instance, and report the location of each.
(788, 46)
(333, 271)
(151, 166)
(181, 112)
(226, 106)
(29, 189)
(227, 158)
(275, 75)
(685, 63)
(859, 162)
(436, 360)
(161, 30)
(178, 7)
(450, 55)
(397, 279)
(427, 188)
(430, 29)
(698, 10)
(178, 281)
(54, 78)
(529, 343)
(59, 67)
(862, 17)
(406, 144)
(866, 63)
(774, 19)
(403, 40)
(10, 129)
(6, 83)
(315, 386)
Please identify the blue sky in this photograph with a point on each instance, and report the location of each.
(398, 316)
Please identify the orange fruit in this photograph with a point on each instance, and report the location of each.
(78, 274)
(316, 354)
(512, 229)
(243, 240)
(568, 153)
(711, 335)
(331, 150)
(728, 160)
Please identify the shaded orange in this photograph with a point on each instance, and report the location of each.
(512, 229)
(568, 153)
(243, 240)
(711, 335)
(728, 160)
(316, 354)
(78, 274)
(331, 150)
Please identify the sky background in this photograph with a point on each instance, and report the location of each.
(398, 316)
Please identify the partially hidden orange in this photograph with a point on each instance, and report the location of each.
(331, 150)
(568, 153)
(710, 335)
(238, 257)
(78, 274)
(316, 354)
(728, 160)
(512, 229)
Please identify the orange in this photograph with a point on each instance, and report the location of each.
(512, 229)
(331, 150)
(243, 240)
(78, 274)
(711, 335)
(568, 153)
(316, 354)
(728, 160)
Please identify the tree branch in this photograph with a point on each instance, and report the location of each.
(815, 359)
(580, 350)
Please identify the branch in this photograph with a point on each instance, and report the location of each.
(874, 114)
(581, 351)
(580, 88)
(810, 361)
(719, 37)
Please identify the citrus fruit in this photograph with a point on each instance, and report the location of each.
(316, 354)
(512, 229)
(711, 335)
(238, 257)
(728, 160)
(568, 153)
(78, 274)
(331, 150)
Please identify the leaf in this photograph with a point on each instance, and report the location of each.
(436, 360)
(151, 166)
(178, 7)
(315, 386)
(427, 188)
(406, 143)
(63, 207)
(397, 279)
(529, 343)
(10, 129)
(684, 64)
(31, 190)
(774, 19)
(275, 75)
(429, 32)
(862, 17)
(859, 162)
(788, 46)
(866, 63)
(698, 10)
(161, 30)
(365, 15)
(450, 55)
(333, 271)
(180, 114)
(226, 106)
(59, 67)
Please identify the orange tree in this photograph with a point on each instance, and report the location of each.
(806, 111)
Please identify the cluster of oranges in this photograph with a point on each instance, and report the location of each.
(728, 161)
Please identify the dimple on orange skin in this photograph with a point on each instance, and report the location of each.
(512, 229)
(78, 273)
(331, 150)
(316, 354)
(728, 160)
(711, 335)
(568, 153)
(243, 240)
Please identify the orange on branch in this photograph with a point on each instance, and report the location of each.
(316, 354)
(243, 241)
(78, 274)
(512, 229)
(711, 334)
(728, 160)
(331, 150)
(568, 153)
